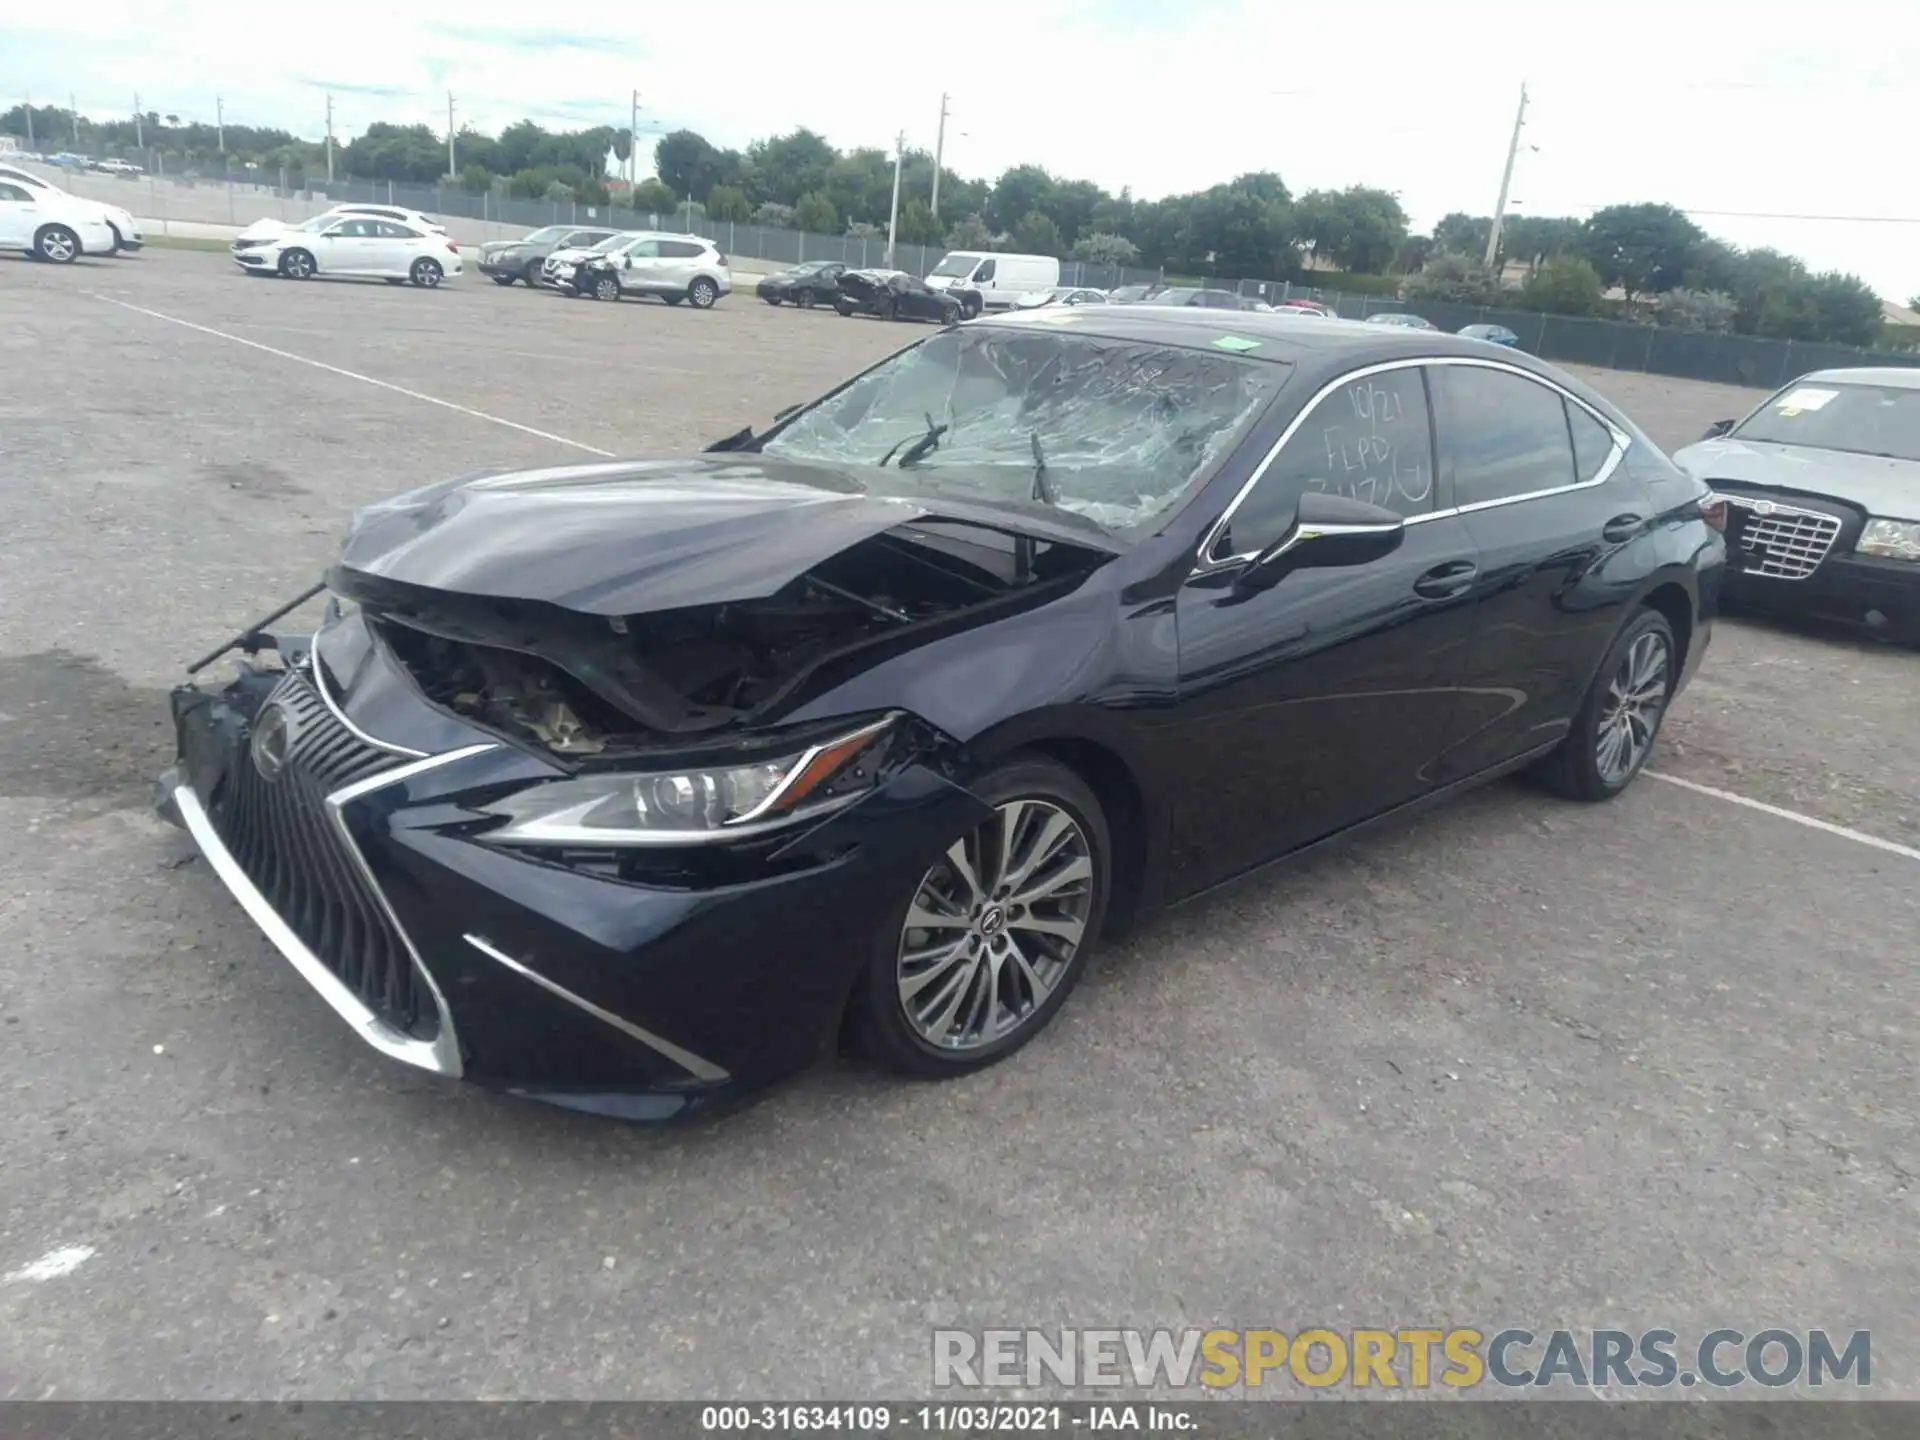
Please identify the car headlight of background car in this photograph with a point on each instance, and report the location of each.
(699, 803)
(1891, 539)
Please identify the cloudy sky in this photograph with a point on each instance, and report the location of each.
(1752, 116)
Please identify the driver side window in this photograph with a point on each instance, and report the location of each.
(1368, 439)
(984, 273)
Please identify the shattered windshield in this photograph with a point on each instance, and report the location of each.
(1110, 430)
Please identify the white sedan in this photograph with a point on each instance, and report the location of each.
(51, 224)
(266, 226)
(351, 245)
(126, 229)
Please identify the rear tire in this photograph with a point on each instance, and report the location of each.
(56, 244)
(950, 314)
(1062, 865)
(426, 273)
(702, 293)
(297, 265)
(503, 279)
(771, 299)
(1619, 722)
(804, 300)
(531, 275)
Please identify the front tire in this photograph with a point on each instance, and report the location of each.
(426, 273)
(607, 287)
(531, 275)
(702, 293)
(982, 954)
(804, 299)
(504, 280)
(56, 244)
(297, 265)
(1619, 721)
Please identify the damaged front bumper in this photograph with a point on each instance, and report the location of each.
(366, 866)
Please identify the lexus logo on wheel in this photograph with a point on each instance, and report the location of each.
(272, 742)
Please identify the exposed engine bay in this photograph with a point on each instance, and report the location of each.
(583, 686)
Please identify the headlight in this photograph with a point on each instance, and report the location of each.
(1893, 539)
(708, 803)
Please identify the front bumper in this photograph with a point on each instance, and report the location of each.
(502, 265)
(526, 974)
(1871, 594)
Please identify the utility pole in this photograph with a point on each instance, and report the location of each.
(73, 116)
(633, 142)
(452, 168)
(30, 144)
(1506, 181)
(329, 137)
(893, 216)
(939, 149)
(220, 122)
(139, 133)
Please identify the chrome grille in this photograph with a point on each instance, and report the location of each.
(1782, 541)
(284, 835)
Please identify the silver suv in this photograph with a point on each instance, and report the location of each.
(674, 267)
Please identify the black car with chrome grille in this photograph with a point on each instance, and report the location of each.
(1822, 484)
(635, 785)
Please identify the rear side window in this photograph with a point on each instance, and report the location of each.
(391, 230)
(1369, 440)
(681, 249)
(1501, 435)
(12, 192)
(1592, 442)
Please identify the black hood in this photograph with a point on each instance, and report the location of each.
(635, 536)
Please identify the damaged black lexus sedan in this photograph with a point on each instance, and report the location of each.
(630, 786)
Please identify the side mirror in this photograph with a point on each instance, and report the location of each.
(1329, 531)
(1717, 429)
(629, 262)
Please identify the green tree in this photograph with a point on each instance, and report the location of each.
(917, 225)
(476, 179)
(726, 203)
(1359, 228)
(1036, 234)
(786, 167)
(688, 163)
(777, 216)
(1644, 249)
(654, 197)
(972, 233)
(1564, 285)
(1102, 248)
(816, 215)
(1461, 234)
(1412, 253)
(1018, 193)
(1685, 309)
(1533, 238)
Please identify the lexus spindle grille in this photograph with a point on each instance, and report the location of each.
(283, 834)
(1782, 541)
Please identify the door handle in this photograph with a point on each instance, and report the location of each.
(1621, 528)
(1446, 579)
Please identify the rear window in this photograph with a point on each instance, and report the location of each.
(681, 249)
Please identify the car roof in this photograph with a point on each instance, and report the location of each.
(1897, 377)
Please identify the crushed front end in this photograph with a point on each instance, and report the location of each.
(401, 852)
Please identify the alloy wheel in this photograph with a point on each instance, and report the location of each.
(59, 246)
(994, 926)
(298, 264)
(426, 273)
(702, 293)
(1630, 716)
(606, 288)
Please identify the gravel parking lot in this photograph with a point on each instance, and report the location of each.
(1516, 1061)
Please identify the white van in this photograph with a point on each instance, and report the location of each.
(1000, 279)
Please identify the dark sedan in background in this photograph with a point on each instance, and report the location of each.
(638, 784)
(1822, 481)
(896, 295)
(817, 282)
(509, 260)
(1492, 334)
(1200, 298)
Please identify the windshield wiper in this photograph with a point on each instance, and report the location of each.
(1042, 488)
(921, 447)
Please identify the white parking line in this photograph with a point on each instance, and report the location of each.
(1794, 815)
(356, 375)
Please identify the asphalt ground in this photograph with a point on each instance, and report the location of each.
(1513, 1062)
